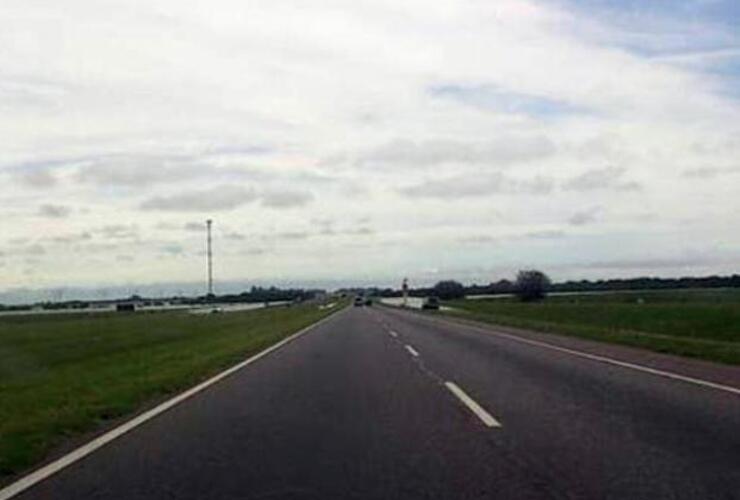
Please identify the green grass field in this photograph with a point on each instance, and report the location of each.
(67, 374)
(696, 323)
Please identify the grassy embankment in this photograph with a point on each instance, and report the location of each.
(67, 374)
(695, 323)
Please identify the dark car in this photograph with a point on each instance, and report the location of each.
(430, 303)
(368, 301)
(359, 301)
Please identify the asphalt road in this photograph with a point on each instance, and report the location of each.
(363, 407)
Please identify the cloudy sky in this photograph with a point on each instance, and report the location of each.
(363, 141)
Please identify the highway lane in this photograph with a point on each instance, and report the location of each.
(587, 429)
(378, 403)
(341, 412)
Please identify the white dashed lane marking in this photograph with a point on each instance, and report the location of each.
(477, 409)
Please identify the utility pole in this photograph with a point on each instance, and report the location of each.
(405, 290)
(210, 260)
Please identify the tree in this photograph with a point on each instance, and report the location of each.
(449, 289)
(531, 285)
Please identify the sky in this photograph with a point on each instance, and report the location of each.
(354, 143)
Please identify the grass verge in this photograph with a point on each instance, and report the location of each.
(64, 375)
(690, 323)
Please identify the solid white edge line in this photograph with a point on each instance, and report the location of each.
(477, 409)
(604, 359)
(48, 470)
(411, 350)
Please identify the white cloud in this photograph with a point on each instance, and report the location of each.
(286, 199)
(710, 172)
(37, 178)
(601, 178)
(475, 185)
(583, 217)
(501, 151)
(445, 120)
(197, 227)
(138, 171)
(54, 211)
(547, 234)
(172, 249)
(215, 199)
(118, 231)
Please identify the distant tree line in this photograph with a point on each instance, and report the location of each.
(260, 294)
(446, 290)
(453, 289)
(642, 283)
(255, 294)
(648, 283)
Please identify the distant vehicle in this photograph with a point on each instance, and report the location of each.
(431, 302)
(368, 301)
(359, 301)
(125, 307)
